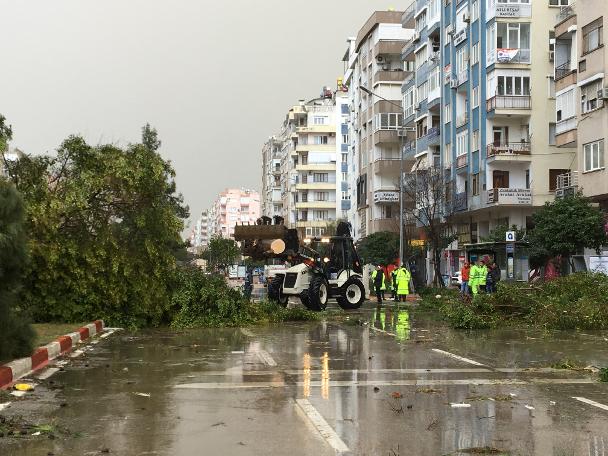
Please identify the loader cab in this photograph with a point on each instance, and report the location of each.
(336, 254)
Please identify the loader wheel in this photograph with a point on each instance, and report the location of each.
(318, 293)
(354, 294)
(305, 300)
(275, 291)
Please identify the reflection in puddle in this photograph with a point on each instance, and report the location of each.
(325, 377)
(306, 383)
(393, 320)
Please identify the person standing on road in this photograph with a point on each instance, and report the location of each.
(394, 284)
(483, 276)
(384, 285)
(474, 277)
(465, 274)
(403, 283)
(378, 281)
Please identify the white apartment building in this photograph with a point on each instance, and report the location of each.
(373, 61)
(272, 200)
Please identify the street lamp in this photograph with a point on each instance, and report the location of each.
(401, 246)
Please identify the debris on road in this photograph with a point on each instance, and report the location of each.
(396, 395)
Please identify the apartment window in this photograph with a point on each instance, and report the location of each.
(344, 176)
(513, 85)
(475, 184)
(422, 56)
(319, 120)
(475, 140)
(447, 113)
(461, 60)
(594, 155)
(421, 22)
(514, 40)
(345, 196)
(558, 2)
(408, 102)
(589, 98)
(475, 96)
(388, 121)
(553, 173)
(321, 215)
(565, 105)
(447, 158)
(321, 140)
(552, 132)
(344, 158)
(321, 177)
(322, 196)
(344, 139)
(593, 35)
(423, 91)
(434, 79)
(304, 197)
(462, 143)
(475, 54)
(345, 109)
(475, 10)
(527, 179)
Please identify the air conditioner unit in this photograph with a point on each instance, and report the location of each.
(466, 16)
(454, 83)
(416, 37)
(551, 56)
(603, 93)
(379, 59)
(449, 29)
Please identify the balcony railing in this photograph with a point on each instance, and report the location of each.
(508, 102)
(462, 119)
(564, 13)
(561, 71)
(432, 133)
(510, 196)
(462, 77)
(462, 161)
(567, 184)
(389, 76)
(511, 148)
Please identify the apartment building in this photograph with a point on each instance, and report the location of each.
(233, 206)
(309, 164)
(374, 74)
(272, 201)
(494, 120)
(580, 64)
(200, 234)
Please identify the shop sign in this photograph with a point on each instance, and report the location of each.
(515, 196)
(386, 197)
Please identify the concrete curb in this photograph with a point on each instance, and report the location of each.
(14, 370)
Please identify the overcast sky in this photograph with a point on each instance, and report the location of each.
(214, 77)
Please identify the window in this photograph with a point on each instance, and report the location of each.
(475, 96)
(462, 143)
(408, 102)
(475, 54)
(447, 113)
(589, 98)
(318, 120)
(582, 66)
(322, 196)
(321, 140)
(321, 215)
(528, 179)
(422, 56)
(475, 144)
(552, 130)
(553, 173)
(344, 176)
(513, 85)
(434, 79)
(594, 155)
(461, 60)
(321, 177)
(345, 109)
(447, 157)
(345, 196)
(421, 22)
(514, 39)
(423, 91)
(388, 121)
(475, 184)
(558, 2)
(344, 158)
(344, 139)
(475, 10)
(593, 35)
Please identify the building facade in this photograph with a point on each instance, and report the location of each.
(200, 233)
(483, 104)
(233, 206)
(374, 74)
(305, 175)
(580, 66)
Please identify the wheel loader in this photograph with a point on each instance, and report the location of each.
(321, 268)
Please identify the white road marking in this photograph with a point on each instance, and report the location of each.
(369, 383)
(460, 405)
(237, 352)
(3, 406)
(266, 358)
(322, 426)
(590, 402)
(48, 372)
(460, 358)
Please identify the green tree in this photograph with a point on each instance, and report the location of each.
(498, 234)
(566, 226)
(104, 224)
(15, 333)
(381, 248)
(221, 253)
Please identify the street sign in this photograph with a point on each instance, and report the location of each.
(510, 247)
(510, 236)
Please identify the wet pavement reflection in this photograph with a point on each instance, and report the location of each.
(388, 380)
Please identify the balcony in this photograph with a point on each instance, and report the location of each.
(316, 167)
(316, 186)
(316, 148)
(567, 184)
(508, 56)
(387, 47)
(386, 224)
(509, 105)
(386, 162)
(407, 19)
(317, 129)
(407, 52)
(386, 136)
(462, 77)
(565, 13)
(389, 76)
(510, 196)
(316, 205)
(459, 203)
(432, 136)
(512, 151)
(462, 161)
(462, 119)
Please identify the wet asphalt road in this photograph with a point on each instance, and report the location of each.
(382, 384)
